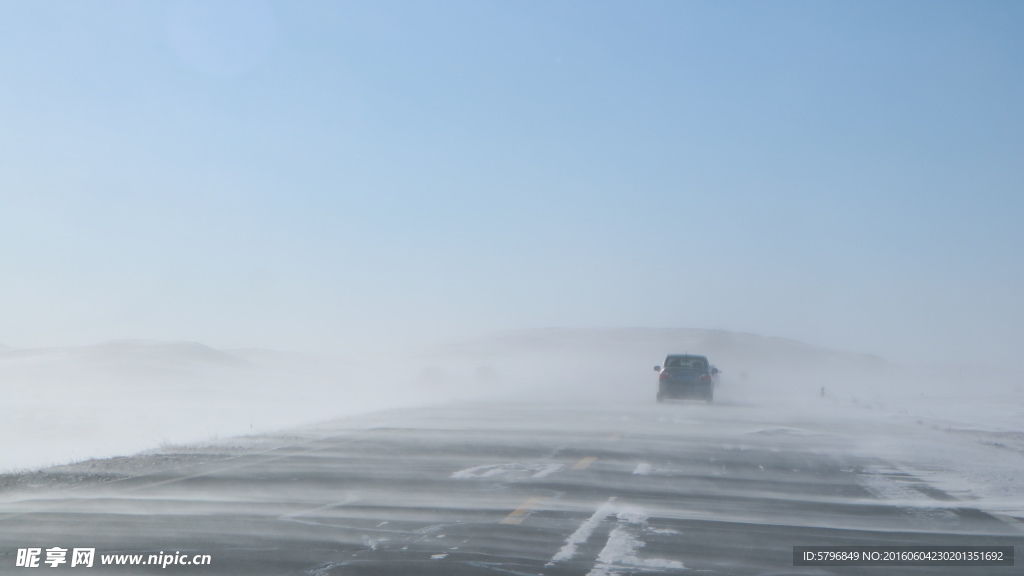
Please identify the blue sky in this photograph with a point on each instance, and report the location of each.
(338, 176)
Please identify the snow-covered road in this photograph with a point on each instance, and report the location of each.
(551, 488)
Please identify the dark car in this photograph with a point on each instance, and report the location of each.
(686, 376)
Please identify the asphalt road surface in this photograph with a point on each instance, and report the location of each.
(512, 489)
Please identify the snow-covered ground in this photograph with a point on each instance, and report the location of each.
(972, 451)
(961, 430)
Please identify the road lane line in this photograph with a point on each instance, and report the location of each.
(642, 469)
(582, 534)
(584, 463)
(519, 514)
(547, 470)
(621, 549)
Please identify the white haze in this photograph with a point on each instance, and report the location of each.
(117, 398)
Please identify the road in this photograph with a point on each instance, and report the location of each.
(515, 489)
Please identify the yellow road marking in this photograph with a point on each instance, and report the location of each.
(582, 464)
(519, 514)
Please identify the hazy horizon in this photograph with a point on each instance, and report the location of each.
(123, 397)
(345, 178)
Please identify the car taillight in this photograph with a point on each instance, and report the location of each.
(663, 376)
(705, 378)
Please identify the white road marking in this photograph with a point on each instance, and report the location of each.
(371, 543)
(643, 469)
(582, 534)
(513, 470)
(620, 552)
(549, 469)
(482, 471)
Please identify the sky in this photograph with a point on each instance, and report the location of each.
(345, 177)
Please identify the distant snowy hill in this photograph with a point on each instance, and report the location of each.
(118, 362)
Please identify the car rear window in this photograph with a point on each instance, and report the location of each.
(685, 362)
